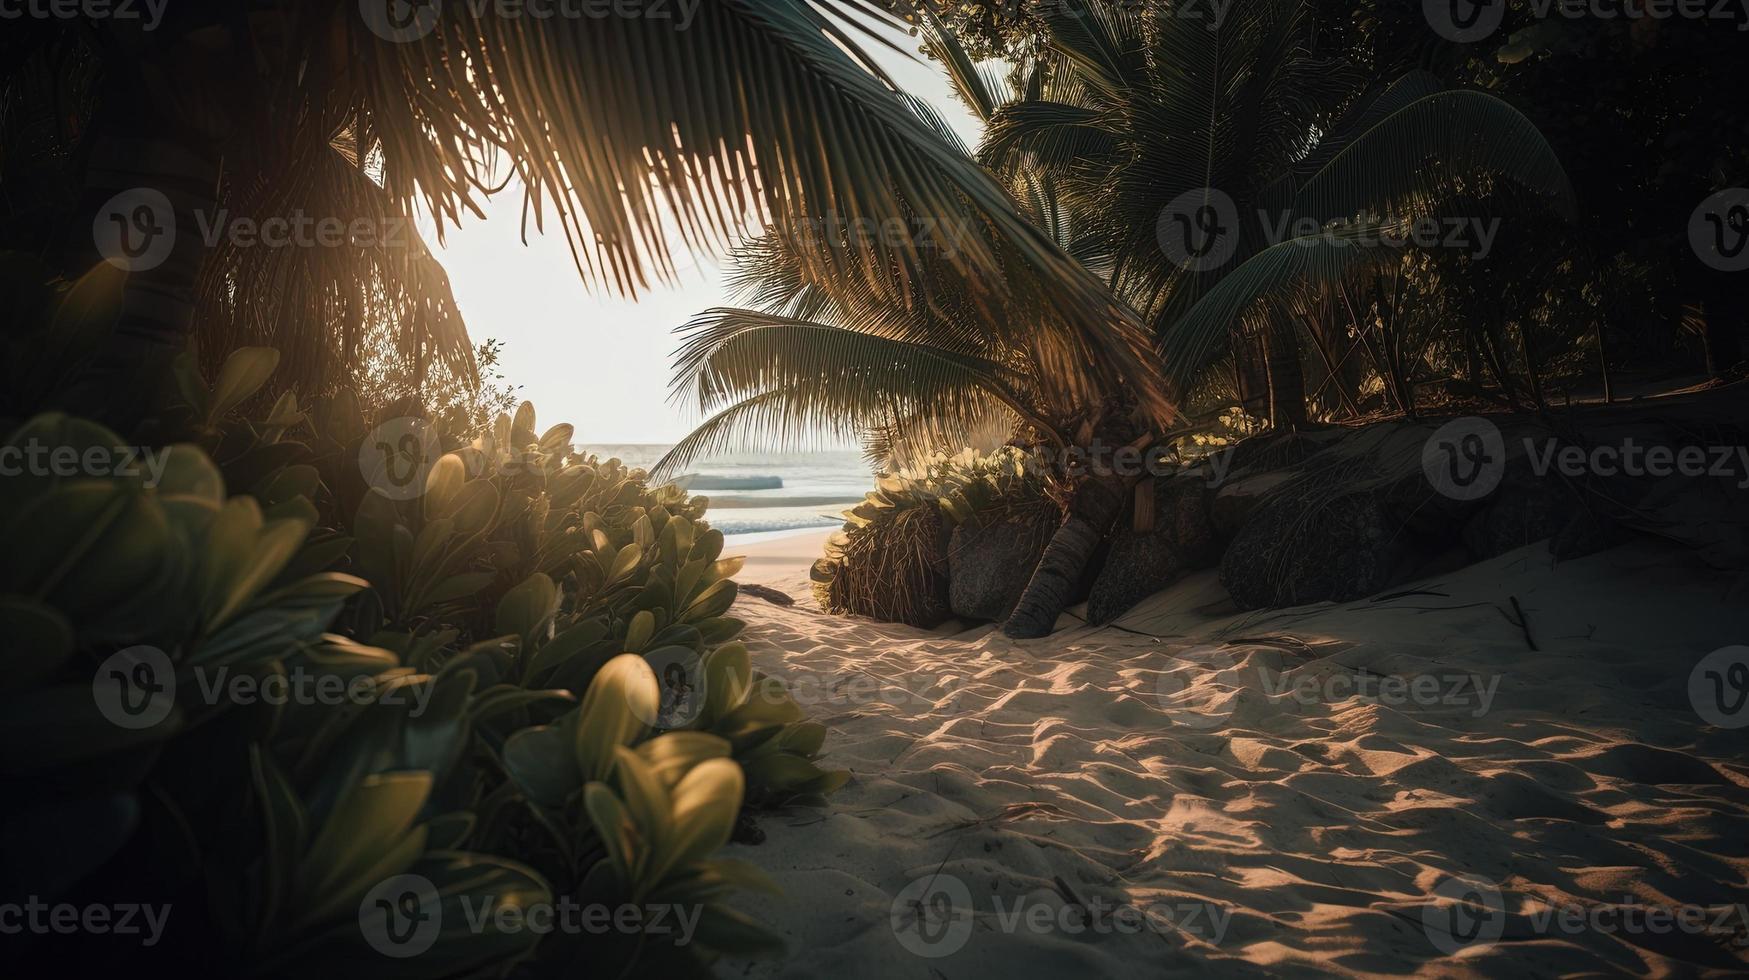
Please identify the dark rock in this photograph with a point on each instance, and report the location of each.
(1271, 451)
(1524, 510)
(1300, 548)
(1140, 564)
(1587, 534)
(990, 564)
(765, 592)
(1235, 501)
(1434, 518)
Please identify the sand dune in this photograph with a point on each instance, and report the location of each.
(1388, 787)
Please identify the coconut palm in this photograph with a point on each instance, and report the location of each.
(1156, 125)
(1131, 111)
(811, 356)
(626, 132)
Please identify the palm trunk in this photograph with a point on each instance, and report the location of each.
(1095, 505)
(141, 151)
(1287, 384)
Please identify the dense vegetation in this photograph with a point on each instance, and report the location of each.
(1323, 213)
(497, 614)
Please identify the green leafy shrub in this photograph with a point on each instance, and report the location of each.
(501, 742)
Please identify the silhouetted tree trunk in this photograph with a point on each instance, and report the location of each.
(1287, 383)
(151, 168)
(1722, 336)
(1094, 506)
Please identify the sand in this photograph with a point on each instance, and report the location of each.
(1388, 787)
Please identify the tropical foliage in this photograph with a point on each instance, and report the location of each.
(1126, 115)
(499, 627)
(771, 115)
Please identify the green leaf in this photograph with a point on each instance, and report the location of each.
(525, 610)
(40, 639)
(706, 801)
(543, 764)
(621, 703)
(673, 754)
(242, 374)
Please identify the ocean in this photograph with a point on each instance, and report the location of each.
(761, 493)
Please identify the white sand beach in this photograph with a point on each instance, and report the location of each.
(1385, 787)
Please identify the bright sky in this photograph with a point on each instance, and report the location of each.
(597, 361)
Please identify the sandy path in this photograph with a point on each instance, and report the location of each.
(1222, 800)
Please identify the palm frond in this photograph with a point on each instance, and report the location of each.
(778, 381)
(1195, 339)
(1408, 157)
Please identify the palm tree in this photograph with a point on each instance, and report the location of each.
(1127, 114)
(1151, 123)
(626, 132)
(813, 355)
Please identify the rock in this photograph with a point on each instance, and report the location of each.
(1436, 520)
(1138, 564)
(1272, 451)
(990, 564)
(1587, 534)
(1235, 502)
(1524, 510)
(765, 592)
(1297, 549)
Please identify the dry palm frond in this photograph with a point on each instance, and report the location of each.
(893, 569)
